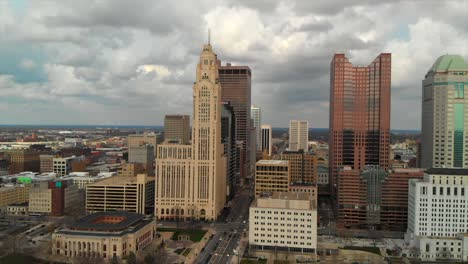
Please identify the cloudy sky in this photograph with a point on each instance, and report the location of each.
(120, 62)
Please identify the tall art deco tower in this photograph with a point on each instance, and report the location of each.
(209, 163)
(191, 178)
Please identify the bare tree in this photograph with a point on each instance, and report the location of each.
(83, 260)
(9, 245)
(158, 256)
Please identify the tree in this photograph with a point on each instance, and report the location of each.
(159, 256)
(131, 259)
(84, 260)
(115, 260)
(150, 259)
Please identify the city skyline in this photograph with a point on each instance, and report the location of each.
(97, 69)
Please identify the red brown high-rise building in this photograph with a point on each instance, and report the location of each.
(359, 138)
(236, 89)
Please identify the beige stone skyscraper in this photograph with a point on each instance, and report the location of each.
(191, 179)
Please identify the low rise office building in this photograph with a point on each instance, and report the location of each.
(18, 209)
(104, 235)
(284, 223)
(63, 166)
(132, 194)
(54, 197)
(438, 215)
(303, 166)
(13, 194)
(272, 176)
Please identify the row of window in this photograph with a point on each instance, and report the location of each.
(283, 242)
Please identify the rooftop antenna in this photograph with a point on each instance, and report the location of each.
(209, 36)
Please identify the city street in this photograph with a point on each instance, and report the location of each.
(221, 247)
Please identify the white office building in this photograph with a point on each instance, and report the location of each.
(283, 222)
(438, 215)
(298, 135)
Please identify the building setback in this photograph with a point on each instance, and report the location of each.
(236, 89)
(359, 136)
(444, 107)
(177, 128)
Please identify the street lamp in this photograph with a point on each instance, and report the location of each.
(237, 255)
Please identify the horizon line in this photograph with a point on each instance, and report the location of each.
(95, 125)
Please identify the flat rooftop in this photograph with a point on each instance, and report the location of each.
(285, 200)
(119, 180)
(272, 162)
(108, 221)
(447, 171)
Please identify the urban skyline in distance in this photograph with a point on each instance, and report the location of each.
(97, 69)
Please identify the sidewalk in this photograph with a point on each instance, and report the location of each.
(192, 256)
(240, 249)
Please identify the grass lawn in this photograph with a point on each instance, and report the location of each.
(374, 250)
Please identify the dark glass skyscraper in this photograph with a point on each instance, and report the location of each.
(236, 89)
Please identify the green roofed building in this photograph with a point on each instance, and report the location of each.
(444, 107)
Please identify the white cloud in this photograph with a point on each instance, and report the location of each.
(27, 64)
(160, 71)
